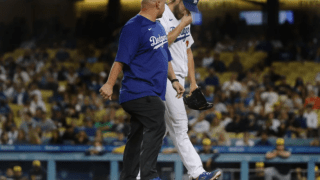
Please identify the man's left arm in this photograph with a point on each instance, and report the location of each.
(284, 154)
(191, 71)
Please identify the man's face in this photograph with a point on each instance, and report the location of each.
(161, 7)
(280, 147)
(264, 137)
(180, 10)
(206, 147)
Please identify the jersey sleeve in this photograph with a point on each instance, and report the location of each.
(128, 44)
(190, 39)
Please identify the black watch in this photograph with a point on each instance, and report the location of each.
(173, 80)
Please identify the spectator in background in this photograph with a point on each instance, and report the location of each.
(88, 128)
(245, 141)
(120, 141)
(217, 130)
(55, 139)
(17, 173)
(264, 140)
(37, 172)
(71, 76)
(69, 135)
(212, 79)
(232, 87)
(315, 142)
(208, 93)
(51, 84)
(4, 140)
(207, 59)
(200, 125)
(4, 107)
(217, 64)
(311, 120)
(206, 147)
(58, 118)
(20, 73)
(62, 54)
(35, 136)
(105, 125)
(270, 97)
(81, 138)
(219, 106)
(3, 178)
(312, 99)
(97, 149)
(28, 122)
(235, 65)
(34, 90)
(9, 89)
(21, 139)
(20, 96)
(99, 136)
(259, 172)
(36, 103)
(9, 173)
(279, 171)
(237, 125)
(283, 88)
(46, 124)
(297, 175)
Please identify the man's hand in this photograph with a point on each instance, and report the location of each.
(186, 19)
(192, 88)
(106, 91)
(178, 87)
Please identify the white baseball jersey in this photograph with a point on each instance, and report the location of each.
(178, 49)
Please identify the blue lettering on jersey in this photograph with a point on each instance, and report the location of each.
(183, 35)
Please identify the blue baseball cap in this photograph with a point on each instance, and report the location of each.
(191, 5)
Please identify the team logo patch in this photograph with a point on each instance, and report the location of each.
(157, 42)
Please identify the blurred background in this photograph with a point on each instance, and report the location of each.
(256, 60)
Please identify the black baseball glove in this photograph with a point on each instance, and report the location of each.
(197, 101)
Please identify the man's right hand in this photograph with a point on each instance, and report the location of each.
(179, 88)
(106, 91)
(186, 19)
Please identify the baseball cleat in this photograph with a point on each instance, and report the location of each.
(214, 175)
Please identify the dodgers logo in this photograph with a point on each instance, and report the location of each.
(183, 35)
(157, 42)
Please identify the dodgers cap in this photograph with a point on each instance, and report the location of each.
(191, 5)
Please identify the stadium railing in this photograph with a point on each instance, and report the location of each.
(242, 155)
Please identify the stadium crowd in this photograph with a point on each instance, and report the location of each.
(253, 101)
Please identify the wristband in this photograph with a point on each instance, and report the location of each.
(173, 80)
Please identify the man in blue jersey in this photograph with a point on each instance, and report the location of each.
(144, 57)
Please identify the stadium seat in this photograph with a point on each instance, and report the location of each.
(48, 108)
(203, 72)
(63, 83)
(46, 94)
(17, 121)
(52, 53)
(7, 55)
(15, 108)
(95, 67)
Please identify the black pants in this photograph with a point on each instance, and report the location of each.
(145, 137)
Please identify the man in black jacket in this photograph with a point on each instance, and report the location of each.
(280, 171)
(37, 172)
